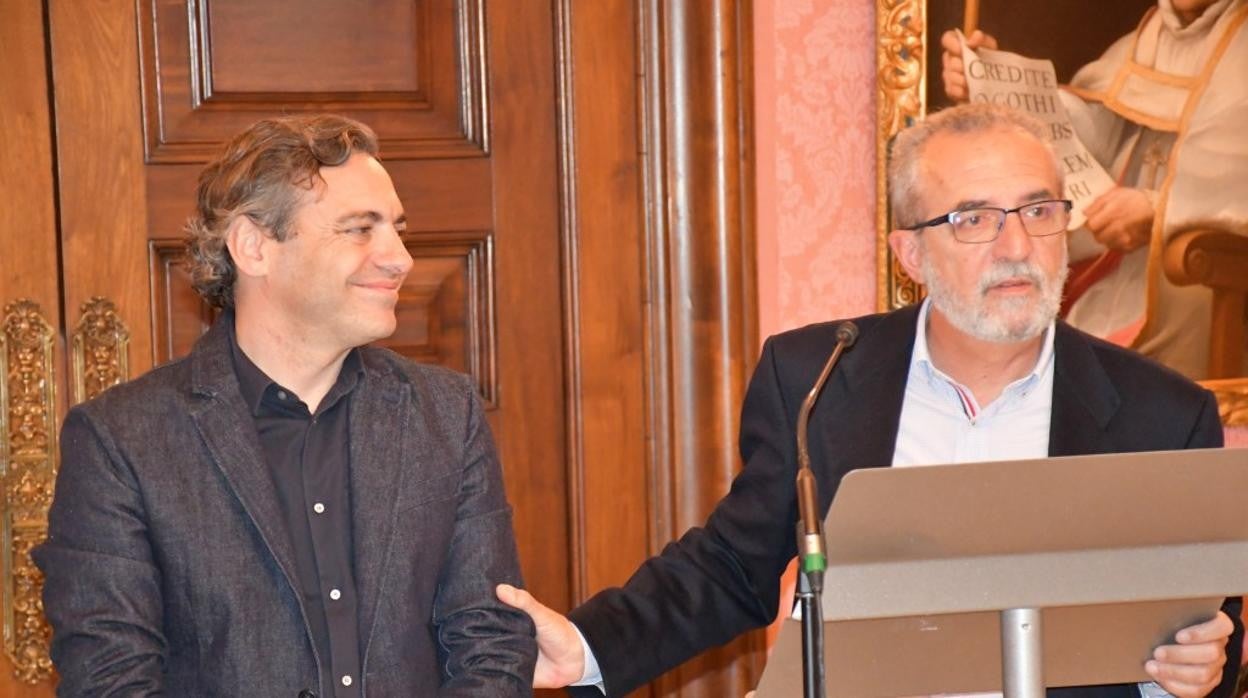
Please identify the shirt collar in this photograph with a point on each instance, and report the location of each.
(921, 358)
(254, 383)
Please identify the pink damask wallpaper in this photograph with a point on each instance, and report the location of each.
(815, 101)
(814, 83)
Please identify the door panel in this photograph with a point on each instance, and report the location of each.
(414, 71)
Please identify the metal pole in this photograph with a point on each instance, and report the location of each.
(812, 638)
(1022, 653)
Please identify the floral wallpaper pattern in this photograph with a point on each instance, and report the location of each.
(816, 69)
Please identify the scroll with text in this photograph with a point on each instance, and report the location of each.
(1030, 85)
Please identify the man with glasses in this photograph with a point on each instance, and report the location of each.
(980, 371)
(1163, 110)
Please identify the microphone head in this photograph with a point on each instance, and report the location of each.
(847, 333)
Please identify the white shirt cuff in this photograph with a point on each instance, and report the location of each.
(1152, 689)
(592, 676)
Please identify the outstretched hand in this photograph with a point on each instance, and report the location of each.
(1192, 667)
(560, 656)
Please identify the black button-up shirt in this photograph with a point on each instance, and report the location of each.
(309, 456)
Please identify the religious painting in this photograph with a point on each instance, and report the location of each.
(1156, 95)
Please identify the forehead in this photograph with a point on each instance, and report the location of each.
(1000, 167)
(358, 181)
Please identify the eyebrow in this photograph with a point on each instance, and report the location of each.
(1037, 195)
(966, 204)
(372, 216)
(1029, 197)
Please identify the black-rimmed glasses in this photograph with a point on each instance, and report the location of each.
(984, 224)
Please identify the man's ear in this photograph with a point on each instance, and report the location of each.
(908, 250)
(249, 246)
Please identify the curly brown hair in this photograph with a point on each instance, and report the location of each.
(259, 175)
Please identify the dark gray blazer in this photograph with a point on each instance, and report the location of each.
(169, 570)
(721, 580)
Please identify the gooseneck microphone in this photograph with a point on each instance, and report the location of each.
(812, 555)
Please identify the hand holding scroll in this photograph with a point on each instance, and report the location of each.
(951, 61)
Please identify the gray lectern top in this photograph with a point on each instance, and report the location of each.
(1119, 550)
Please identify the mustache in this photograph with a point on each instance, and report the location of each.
(1004, 269)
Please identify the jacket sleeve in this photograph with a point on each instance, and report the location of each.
(102, 588)
(486, 647)
(717, 581)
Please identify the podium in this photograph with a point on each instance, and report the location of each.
(1018, 575)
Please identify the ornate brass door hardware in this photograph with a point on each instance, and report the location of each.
(29, 458)
(28, 462)
(100, 350)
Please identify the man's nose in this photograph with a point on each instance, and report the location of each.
(1013, 242)
(393, 256)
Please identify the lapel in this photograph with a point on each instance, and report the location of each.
(1084, 397)
(871, 386)
(225, 425)
(382, 438)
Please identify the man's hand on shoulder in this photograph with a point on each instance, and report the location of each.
(1192, 668)
(560, 658)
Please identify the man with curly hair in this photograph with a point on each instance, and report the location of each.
(287, 511)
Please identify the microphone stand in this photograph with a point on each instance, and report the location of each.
(812, 554)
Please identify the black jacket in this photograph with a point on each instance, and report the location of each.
(169, 570)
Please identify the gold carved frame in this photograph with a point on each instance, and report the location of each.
(901, 39)
(901, 44)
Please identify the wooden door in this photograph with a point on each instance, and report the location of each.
(461, 94)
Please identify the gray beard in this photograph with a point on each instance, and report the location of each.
(1008, 320)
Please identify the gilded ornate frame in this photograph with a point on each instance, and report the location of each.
(901, 45)
(901, 38)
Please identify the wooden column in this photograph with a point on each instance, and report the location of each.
(659, 284)
(701, 292)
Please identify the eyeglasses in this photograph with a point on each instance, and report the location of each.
(976, 225)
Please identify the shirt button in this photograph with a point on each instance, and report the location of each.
(281, 395)
(346, 681)
(335, 594)
(318, 508)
